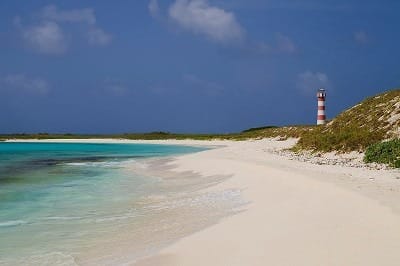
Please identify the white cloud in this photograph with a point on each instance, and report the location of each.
(26, 84)
(84, 15)
(154, 8)
(219, 25)
(199, 17)
(361, 37)
(311, 81)
(46, 34)
(97, 36)
(46, 37)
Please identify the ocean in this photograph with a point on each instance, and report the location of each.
(100, 204)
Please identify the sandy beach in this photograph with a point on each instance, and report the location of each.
(299, 213)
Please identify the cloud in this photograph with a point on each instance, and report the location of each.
(26, 84)
(84, 15)
(219, 25)
(199, 17)
(361, 37)
(97, 36)
(46, 37)
(154, 8)
(311, 81)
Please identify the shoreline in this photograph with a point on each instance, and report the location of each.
(176, 205)
(186, 142)
(141, 205)
(299, 213)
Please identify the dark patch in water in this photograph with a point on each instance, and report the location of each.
(16, 172)
(50, 162)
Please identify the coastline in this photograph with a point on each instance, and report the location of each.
(299, 213)
(111, 194)
(188, 142)
(180, 205)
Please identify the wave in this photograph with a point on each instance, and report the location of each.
(209, 199)
(109, 164)
(76, 164)
(12, 223)
(115, 218)
(61, 218)
(52, 258)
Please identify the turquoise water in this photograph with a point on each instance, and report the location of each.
(65, 203)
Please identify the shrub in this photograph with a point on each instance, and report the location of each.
(344, 139)
(258, 128)
(387, 152)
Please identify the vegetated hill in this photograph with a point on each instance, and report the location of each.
(373, 120)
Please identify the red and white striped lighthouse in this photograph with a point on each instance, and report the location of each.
(321, 117)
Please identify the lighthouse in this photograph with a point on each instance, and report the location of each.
(321, 117)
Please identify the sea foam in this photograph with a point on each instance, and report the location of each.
(12, 223)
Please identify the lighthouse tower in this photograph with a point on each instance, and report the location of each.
(321, 117)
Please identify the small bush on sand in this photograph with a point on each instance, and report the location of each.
(387, 152)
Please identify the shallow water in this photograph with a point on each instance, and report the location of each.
(99, 204)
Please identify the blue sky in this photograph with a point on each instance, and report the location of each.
(189, 65)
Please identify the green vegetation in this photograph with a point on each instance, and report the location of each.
(275, 132)
(373, 120)
(346, 139)
(264, 132)
(387, 152)
(258, 128)
(45, 136)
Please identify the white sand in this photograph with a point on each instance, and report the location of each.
(300, 213)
